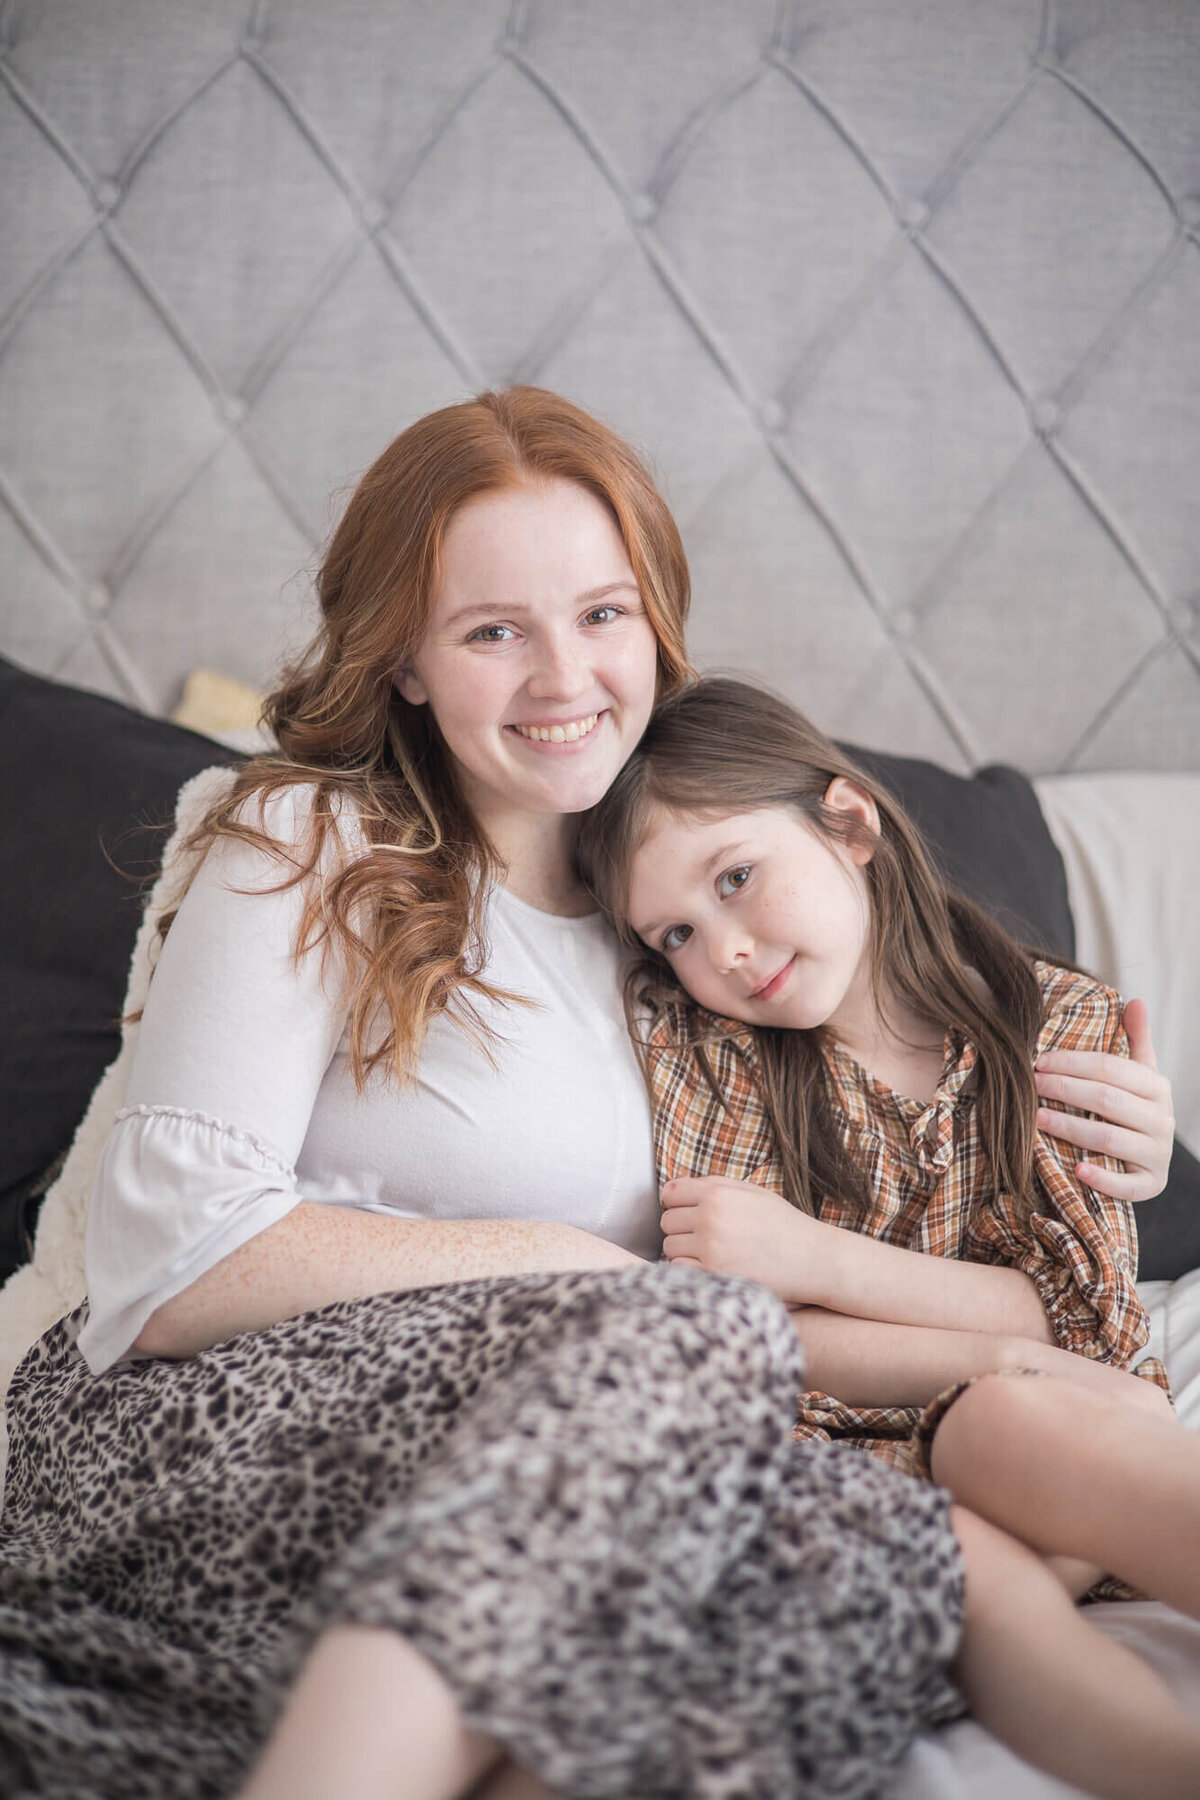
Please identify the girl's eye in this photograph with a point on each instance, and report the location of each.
(600, 615)
(676, 938)
(732, 880)
(490, 634)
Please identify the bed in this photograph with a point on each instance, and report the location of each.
(901, 299)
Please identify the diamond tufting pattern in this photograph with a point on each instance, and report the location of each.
(900, 297)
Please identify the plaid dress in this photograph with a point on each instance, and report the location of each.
(931, 1189)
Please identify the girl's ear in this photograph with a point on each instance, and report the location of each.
(845, 796)
(409, 685)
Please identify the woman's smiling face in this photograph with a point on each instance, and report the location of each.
(761, 918)
(539, 660)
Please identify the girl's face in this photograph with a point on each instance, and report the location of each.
(539, 659)
(760, 917)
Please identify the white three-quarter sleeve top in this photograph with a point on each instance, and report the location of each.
(241, 1103)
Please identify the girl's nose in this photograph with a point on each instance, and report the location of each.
(729, 946)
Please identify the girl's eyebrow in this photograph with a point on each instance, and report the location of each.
(720, 855)
(490, 609)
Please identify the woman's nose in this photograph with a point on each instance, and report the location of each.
(561, 670)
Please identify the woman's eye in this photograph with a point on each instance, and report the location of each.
(490, 634)
(676, 937)
(600, 615)
(733, 879)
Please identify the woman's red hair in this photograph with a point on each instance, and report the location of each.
(402, 906)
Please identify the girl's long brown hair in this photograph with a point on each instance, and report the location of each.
(723, 746)
(404, 909)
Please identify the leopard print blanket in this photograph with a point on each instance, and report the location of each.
(576, 1494)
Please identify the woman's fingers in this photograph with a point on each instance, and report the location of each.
(1131, 1102)
(1133, 1186)
(677, 1219)
(1136, 1020)
(1123, 1113)
(1145, 1154)
(1101, 1075)
(1111, 1105)
(1095, 1135)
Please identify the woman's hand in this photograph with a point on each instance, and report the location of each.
(738, 1228)
(1135, 1122)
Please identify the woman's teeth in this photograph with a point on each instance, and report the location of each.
(559, 734)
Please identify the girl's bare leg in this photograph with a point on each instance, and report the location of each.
(1073, 1474)
(1056, 1690)
(369, 1716)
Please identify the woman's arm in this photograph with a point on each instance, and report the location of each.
(316, 1255)
(865, 1363)
(738, 1228)
(197, 1227)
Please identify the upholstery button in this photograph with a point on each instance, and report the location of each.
(914, 215)
(249, 45)
(1184, 615)
(904, 621)
(643, 207)
(374, 214)
(233, 408)
(97, 598)
(1043, 414)
(772, 416)
(1189, 211)
(510, 43)
(108, 193)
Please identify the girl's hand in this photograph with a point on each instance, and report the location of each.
(1135, 1120)
(738, 1228)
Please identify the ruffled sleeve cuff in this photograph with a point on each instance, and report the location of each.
(175, 1192)
(1078, 1256)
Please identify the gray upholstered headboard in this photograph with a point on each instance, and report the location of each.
(901, 297)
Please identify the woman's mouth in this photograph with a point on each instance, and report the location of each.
(770, 988)
(563, 731)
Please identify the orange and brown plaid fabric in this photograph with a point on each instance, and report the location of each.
(931, 1184)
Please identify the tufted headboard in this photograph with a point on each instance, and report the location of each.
(900, 297)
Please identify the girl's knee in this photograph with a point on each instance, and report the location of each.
(983, 1420)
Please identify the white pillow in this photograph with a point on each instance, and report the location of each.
(1131, 845)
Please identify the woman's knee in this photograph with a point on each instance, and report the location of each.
(701, 1322)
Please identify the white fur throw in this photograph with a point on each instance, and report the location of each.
(52, 1284)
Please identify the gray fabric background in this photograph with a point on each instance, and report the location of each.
(900, 297)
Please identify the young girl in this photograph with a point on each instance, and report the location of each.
(840, 1054)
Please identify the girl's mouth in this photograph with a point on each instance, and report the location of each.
(769, 989)
(566, 731)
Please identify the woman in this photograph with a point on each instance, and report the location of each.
(513, 1502)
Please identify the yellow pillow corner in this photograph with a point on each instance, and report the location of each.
(212, 702)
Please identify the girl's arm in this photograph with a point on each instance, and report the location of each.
(739, 1228)
(197, 1228)
(866, 1363)
(1056, 1268)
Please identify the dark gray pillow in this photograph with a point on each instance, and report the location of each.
(989, 840)
(90, 790)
